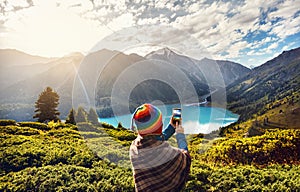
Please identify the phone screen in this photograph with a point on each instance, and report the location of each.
(176, 115)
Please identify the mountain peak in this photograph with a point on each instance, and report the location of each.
(13, 57)
(165, 51)
(281, 59)
(161, 52)
(206, 59)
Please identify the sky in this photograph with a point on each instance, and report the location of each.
(249, 32)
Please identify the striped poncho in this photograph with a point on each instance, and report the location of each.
(157, 166)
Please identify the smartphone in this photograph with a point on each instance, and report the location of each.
(176, 116)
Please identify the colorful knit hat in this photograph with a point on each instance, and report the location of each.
(148, 120)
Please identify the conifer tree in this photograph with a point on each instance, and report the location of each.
(92, 116)
(46, 106)
(81, 115)
(120, 125)
(71, 117)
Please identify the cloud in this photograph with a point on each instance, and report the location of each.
(287, 24)
(285, 10)
(216, 30)
(153, 36)
(14, 5)
(286, 27)
(236, 48)
(258, 44)
(219, 26)
(123, 21)
(273, 46)
(255, 52)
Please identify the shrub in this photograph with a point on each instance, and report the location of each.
(106, 125)
(68, 178)
(37, 125)
(5, 122)
(15, 130)
(243, 178)
(276, 146)
(67, 146)
(58, 125)
(121, 134)
(86, 127)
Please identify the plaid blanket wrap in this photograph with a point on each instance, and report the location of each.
(157, 166)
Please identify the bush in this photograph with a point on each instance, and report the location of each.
(64, 133)
(15, 130)
(277, 146)
(249, 178)
(68, 178)
(124, 136)
(59, 125)
(106, 125)
(86, 127)
(243, 178)
(37, 125)
(5, 122)
(55, 146)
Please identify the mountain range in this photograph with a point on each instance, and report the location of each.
(103, 71)
(17, 66)
(162, 75)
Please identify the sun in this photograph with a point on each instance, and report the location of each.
(52, 31)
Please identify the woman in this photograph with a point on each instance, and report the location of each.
(157, 166)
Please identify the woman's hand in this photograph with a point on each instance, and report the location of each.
(179, 128)
(174, 125)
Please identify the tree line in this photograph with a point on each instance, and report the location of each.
(46, 110)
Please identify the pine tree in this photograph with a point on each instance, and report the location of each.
(120, 125)
(46, 106)
(71, 117)
(92, 116)
(81, 115)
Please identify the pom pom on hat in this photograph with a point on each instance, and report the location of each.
(148, 120)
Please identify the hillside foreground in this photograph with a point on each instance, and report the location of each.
(86, 157)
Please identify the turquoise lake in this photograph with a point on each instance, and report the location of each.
(195, 119)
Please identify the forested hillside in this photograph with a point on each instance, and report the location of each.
(267, 86)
